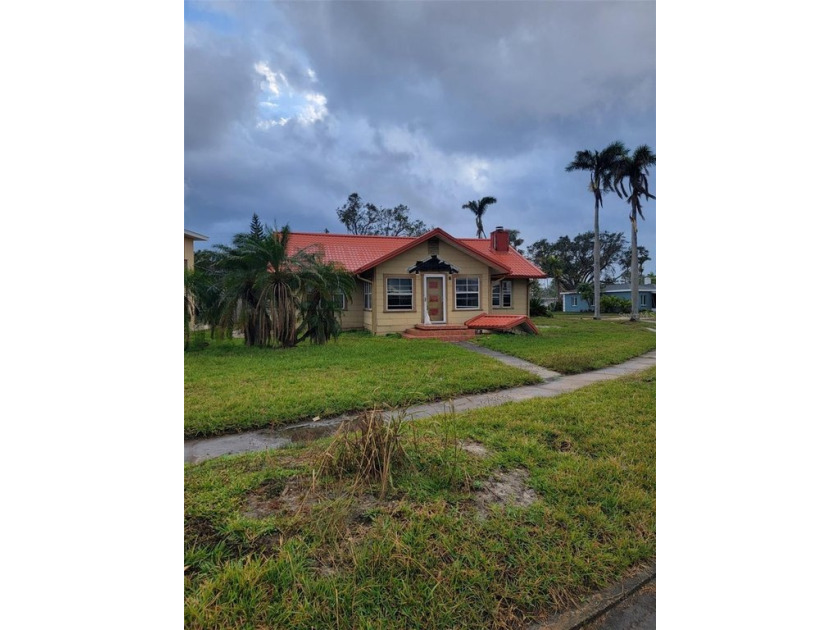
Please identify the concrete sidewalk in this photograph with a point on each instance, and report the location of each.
(202, 449)
(630, 604)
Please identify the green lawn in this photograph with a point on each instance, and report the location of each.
(269, 545)
(230, 388)
(574, 343)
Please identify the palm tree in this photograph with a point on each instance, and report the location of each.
(264, 288)
(634, 169)
(207, 288)
(238, 270)
(515, 240)
(600, 165)
(319, 309)
(478, 208)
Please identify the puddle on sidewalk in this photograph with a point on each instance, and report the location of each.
(207, 448)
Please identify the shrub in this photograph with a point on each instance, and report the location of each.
(538, 309)
(612, 304)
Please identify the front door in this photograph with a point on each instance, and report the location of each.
(434, 299)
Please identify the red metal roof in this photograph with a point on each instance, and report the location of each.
(519, 266)
(501, 322)
(360, 253)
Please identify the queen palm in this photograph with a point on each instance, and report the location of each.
(478, 208)
(320, 310)
(600, 165)
(634, 169)
(265, 284)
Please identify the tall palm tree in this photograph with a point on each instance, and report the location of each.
(600, 165)
(478, 208)
(634, 169)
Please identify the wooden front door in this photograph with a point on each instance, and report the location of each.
(435, 299)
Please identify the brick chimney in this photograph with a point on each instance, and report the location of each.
(500, 239)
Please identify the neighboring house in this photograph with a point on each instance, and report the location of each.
(189, 263)
(189, 251)
(574, 303)
(433, 280)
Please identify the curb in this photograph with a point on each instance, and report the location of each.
(599, 603)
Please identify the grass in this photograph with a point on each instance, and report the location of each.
(270, 544)
(230, 388)
(575, 343)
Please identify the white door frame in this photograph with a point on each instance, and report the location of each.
(426, 319)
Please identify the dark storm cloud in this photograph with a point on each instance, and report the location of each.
(483, 73)
(219, 87)
(428, 104)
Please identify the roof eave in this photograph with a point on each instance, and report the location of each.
(425, 237)
(195, 236)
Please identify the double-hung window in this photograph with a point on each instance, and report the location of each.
(400, 294)
(466, 293)
(644, 299)
(574, 300)
(368, 294)
(340, 300)
(503, 294)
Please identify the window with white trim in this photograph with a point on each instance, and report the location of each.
(574, 300)
(367, 291)
(466, 293)
(340, 300)
(400, 294)
(644, 299)
(503, 294)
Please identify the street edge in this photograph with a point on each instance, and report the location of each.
(599, 603)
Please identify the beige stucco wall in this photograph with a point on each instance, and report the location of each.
(385, 321)
(519, 299)
(189, 253)
(352, 318)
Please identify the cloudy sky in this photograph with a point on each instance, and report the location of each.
(289, 107)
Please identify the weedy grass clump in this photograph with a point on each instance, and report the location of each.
(368, 449)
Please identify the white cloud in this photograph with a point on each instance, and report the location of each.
(270, 82)
(304, 106)
(268, 124)
(315, 110)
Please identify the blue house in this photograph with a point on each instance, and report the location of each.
(574, 303)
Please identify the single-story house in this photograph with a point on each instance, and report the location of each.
(431, 281)
(190, 238)
(574, 303)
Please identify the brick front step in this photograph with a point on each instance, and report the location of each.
(443, 333)
(463, 336)
(439, 333)
(439, 327)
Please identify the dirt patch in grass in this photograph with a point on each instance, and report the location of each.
(297, 494)
(279, 496)
(505, 488)
(475, 448)
(200, 531)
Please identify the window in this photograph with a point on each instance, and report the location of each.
(644, 299)
(400, 293)
(574, 300)
(503, 294)
(367, 294)
(340, 300)
(466, 293)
